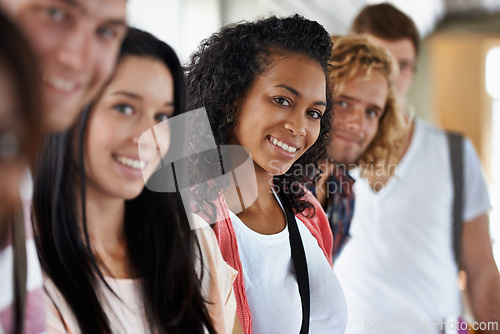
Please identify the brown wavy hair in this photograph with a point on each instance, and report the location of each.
(387, 22)
(350, 55)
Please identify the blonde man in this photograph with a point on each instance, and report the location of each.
(367, 127)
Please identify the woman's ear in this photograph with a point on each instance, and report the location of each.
(231, 113)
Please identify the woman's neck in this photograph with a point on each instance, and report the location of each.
(264, 215)
(258, 194)
(105, 225)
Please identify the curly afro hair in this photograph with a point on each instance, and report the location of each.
(225, 66)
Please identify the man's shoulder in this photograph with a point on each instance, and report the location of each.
(429, 128)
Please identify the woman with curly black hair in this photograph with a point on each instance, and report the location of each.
(264, 87)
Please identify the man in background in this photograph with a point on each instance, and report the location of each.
(367, 126)
(399, 271)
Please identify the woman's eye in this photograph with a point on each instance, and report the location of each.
(282, 101)
(124, 109)
(314, 114)
(161, 117)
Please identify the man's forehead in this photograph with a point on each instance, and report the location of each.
(104, 9)
(112, 9)
(400, 48)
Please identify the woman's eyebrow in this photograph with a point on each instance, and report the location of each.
(290, 89)
(128, 94)
(296, 93)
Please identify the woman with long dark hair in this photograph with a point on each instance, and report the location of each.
(264, 87)
(119, 257)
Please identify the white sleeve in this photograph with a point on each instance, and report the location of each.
(217, 279)
(476, 198)
(58, 316)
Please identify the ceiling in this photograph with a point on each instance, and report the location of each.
(337, 15)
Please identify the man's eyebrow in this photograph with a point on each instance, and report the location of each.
(77, 5)
(117, 22)
(346, 97)
(72, 3)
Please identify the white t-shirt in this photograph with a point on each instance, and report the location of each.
(35, 307)
(271, 285)
(398, 270)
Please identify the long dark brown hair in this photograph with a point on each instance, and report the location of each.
(161, 248)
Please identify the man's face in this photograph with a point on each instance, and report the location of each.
(405, 54)
(358, 108)
(77, 42)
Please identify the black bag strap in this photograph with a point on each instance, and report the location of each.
(300, 264)
(20, 269)
(455, 142)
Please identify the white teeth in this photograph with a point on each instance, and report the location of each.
(136, 164)
(59, 83)
(284, 146)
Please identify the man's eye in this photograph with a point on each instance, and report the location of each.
(405, 66)
(341, 103)
(107, 33)
(372, 113)
(55, 14)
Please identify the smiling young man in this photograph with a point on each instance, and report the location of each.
(364, 109)
(76, 43)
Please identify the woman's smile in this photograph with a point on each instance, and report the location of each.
(279, 118)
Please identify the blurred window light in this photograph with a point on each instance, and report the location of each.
(159, 17)
(493, 72)
(495, 185)
(492, 81)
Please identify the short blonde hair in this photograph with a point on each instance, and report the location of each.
(350, 55)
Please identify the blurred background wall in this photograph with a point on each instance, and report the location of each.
(457, 84)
